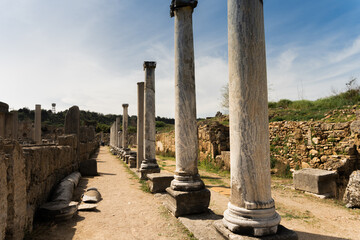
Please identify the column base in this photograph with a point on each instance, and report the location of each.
(255, 222)
(282, 233)
(182, 203)
(132, 162)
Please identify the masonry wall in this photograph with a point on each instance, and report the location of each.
(313, 144)
(28, 174)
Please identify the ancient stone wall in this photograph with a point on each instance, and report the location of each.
(27, 175)
(313, 144)
(13, 187)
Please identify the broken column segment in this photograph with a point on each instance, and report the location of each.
(37, 137)
(149, 164)
(187, 194)
(140, 125)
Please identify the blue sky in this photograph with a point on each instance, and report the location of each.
(90, 52)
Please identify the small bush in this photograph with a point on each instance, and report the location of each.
(284, 103)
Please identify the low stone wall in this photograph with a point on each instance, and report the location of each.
(28, 174)
(313, 144)
(13, 191)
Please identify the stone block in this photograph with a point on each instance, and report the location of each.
(158, 182)
(183, 203)
(282, 233)
(317, 181)
(145, 172)
(132, 162)
(352, 192)
(88, 168)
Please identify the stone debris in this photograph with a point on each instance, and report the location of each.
(87, 207)
(58, 210)
(92, 195)
(317, 181)
(61, 207)
(352, 192)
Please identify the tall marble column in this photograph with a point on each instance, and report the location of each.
(37, 124)
(117, 129)
(149, 164)
(140, 124)
(125, 126)
(186, 179)
(251, 209)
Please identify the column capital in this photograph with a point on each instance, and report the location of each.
(149, 64)
(125, 105)
(140, 83)
(175, 4)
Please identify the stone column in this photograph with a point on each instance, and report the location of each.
(149, 164)
(140, 125)
(124, 127)
(117, 129)
(251, 209)
(37, 124)
(72, 126)
(4, 108)
(187, 188)
(15, 125)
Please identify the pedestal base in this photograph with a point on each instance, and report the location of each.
(132, 162)
(88, 168)
(282, 233)
(182, 203)
(145, 172)
(158, 182)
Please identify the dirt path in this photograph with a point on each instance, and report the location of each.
(126, 212)
(309, 216)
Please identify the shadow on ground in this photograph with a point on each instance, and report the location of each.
(312, 236)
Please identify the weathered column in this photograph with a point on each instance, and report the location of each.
(186, 179)
(149, 164)
(37, 124)
(251, 209)
(124, 127)
(4, 108)
(15, 124)
(140, 125)
(117, 129)
(72, 126)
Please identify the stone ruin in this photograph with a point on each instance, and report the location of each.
(28, 172)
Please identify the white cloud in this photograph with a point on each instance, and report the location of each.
(311, 71)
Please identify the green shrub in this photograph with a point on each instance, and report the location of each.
(284, 103)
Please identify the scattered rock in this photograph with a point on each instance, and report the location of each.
(91, 195)
(87, 207)
(352, 192)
